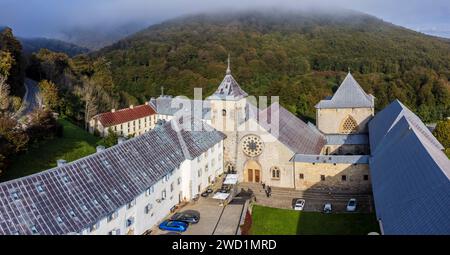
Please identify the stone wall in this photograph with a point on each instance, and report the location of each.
(345, 149)
(274, 153)
(329, 120)
(333, 173)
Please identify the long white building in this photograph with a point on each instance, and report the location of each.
(125, 189)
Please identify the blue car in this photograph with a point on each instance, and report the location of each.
(173, 225)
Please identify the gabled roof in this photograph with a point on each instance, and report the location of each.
(348, 95)
(386, 119)
(292, 132)
(108, 119)
(168, 105)
(228, 89)
(95, 186)
(410, 174)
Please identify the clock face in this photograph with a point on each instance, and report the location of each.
(252, 145)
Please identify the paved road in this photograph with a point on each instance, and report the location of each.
(31, 100)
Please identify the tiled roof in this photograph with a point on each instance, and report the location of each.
(108, 119)
(410, 174)
(348, 95)
(338, 159)
(87, 190)
(292, 131)
(168, 105)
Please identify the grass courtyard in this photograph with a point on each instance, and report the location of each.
(74, 144)
(274, 221)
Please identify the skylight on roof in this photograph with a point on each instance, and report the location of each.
(40, 188)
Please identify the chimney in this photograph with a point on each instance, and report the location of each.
(121, 140)
(61, 162)
(131, 106)
(100, 148)
(146, 103)
(113, 110)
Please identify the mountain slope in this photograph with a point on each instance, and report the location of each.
(33, 45)
(300, 56)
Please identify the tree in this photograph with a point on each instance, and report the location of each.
(442, 133)
(4, 94)
(90, 98)
(6, 62)
(49, 93)
(110, 139)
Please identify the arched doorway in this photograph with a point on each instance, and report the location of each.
(252, 171)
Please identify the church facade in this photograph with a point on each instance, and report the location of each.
(275, 147)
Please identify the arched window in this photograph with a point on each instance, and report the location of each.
(275, 172)
(224, 112)
(349, 125)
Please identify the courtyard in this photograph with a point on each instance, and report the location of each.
(275, 221)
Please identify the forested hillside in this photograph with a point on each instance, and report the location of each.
(33, 45)
(299, 56)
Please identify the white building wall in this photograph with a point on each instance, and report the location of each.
(185, 183)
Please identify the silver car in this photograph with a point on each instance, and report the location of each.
(351, 205)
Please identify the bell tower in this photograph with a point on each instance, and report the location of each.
(228, 106)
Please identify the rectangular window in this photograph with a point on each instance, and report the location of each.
(112, 216)
(163, 194)
(179, 180)
(301, 176)
(199, 173)
(131, 204)
(148, 208)
(130, 221)
(344, 178)
(171, 187)
(322, 177)
(366, 177)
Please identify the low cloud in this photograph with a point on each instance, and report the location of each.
(53, 18)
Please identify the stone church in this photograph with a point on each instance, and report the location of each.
(273, 146)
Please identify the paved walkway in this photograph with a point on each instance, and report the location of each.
(315, 200)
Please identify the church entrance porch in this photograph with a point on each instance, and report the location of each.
(252, 172)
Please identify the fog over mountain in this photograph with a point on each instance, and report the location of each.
(96, 23)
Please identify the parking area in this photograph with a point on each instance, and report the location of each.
(214, 218)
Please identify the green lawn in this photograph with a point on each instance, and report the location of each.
(274, 221)
(74, 144)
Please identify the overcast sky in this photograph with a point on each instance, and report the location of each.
(49, 18)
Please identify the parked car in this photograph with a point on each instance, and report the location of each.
(173, 225)
(207, 192)
(299, 204)
(351, 205)
(327, 208)
(187, 216)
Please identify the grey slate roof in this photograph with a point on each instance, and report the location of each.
(228, 89)
(410, 174)
(348, 95)
(338, 139)
(337, 159)
(168, 105)
(293, 132)
(386, 119)
(95, 186)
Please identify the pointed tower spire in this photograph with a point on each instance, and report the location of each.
(228, 68)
